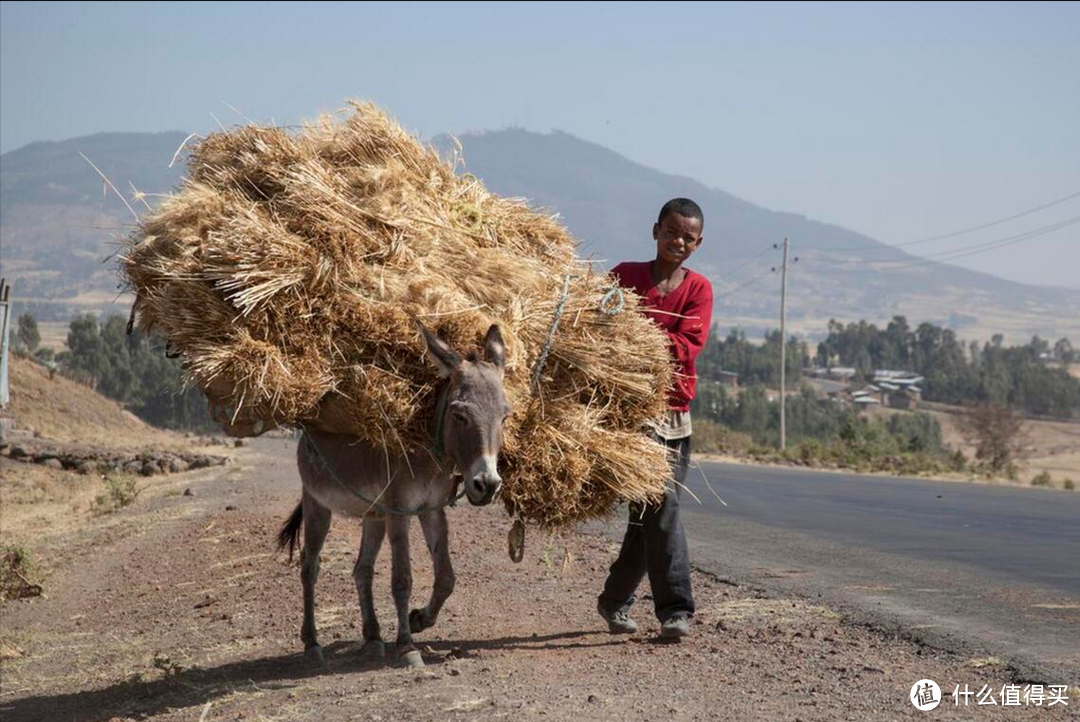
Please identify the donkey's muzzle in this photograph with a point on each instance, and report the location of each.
(481, 490)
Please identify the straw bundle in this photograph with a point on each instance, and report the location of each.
(288, 269)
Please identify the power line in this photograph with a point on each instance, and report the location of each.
(964, 251)
(747, 283)
(961, 232)
(1008, 241)
(735, 270)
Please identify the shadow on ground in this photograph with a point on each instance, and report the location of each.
(195, 686)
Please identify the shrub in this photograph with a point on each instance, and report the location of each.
(917, 432)
(120, 491)
(713, 438)
(17, 574)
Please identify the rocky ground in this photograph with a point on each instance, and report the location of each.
(179, 608)
(93, 459)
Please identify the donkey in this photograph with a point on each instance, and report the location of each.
(346, 475)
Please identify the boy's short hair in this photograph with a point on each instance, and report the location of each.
(684, 207)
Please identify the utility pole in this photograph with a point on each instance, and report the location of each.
(783, 348)
(5, 327)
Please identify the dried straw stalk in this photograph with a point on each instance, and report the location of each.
(287, 271)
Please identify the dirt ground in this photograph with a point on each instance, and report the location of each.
(179, 608)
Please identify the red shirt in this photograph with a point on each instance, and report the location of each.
(687, 330)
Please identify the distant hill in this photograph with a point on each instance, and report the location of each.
(56, 228)
(610, 203)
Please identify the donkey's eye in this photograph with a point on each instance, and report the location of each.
(461, 417)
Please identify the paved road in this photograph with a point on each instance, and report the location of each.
(980, 569)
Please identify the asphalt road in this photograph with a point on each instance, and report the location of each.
(982, 570)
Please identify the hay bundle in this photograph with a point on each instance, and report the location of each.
(289, 267)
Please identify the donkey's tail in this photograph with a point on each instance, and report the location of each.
(289, 536)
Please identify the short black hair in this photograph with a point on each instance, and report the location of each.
(684, 207)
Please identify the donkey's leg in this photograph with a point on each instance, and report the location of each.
(316, 526)
(401, 586)
(435, 534)
(364, 574)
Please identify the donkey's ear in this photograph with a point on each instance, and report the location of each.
(494, 348)
(444, 357)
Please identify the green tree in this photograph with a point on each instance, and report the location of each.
(995, 431)
(752, 413)
(28, 334)
(1063, 351)
(135, 371)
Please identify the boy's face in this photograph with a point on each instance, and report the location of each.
(676, 237)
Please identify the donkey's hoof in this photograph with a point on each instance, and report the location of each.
(373, 649)
(314, 656)
(412, 659)
(418, 621)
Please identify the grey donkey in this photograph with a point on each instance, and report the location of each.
(346, 475)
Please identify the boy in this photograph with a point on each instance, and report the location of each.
(655, 542)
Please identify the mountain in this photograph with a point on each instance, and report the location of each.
(610, 203)
(56, 228)
(59, 224)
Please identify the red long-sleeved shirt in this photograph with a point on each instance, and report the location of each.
(687, 330)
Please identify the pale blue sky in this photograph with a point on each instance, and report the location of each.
(900, 121)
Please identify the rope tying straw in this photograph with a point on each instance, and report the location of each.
(613, 301)
(551, 332)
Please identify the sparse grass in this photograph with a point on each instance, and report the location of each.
(858, 456)
(63, 410)
(550, 550)
(1068, 485)
(984, 662)
(10, 650)
(120, 491)
(1043, 479)
(167, 665)
(17, 573)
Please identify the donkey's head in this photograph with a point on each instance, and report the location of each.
(470, 428)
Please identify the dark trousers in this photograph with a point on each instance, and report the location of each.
(655, 543)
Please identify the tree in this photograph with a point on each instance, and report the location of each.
(133, 370)
(1063, 351)
(995, 431)
(28, 334)
(752, 415)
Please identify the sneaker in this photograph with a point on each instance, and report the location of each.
(675, 627)
(617, 622)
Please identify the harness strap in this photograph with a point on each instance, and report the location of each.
(440, 414)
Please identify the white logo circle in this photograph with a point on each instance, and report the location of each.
(925, 695)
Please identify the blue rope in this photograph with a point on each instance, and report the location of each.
(606, 305)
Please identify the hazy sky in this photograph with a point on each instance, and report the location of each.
(900, 121)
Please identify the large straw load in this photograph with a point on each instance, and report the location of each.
(289, 267)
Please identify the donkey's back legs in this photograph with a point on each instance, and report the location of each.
(316, 526)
